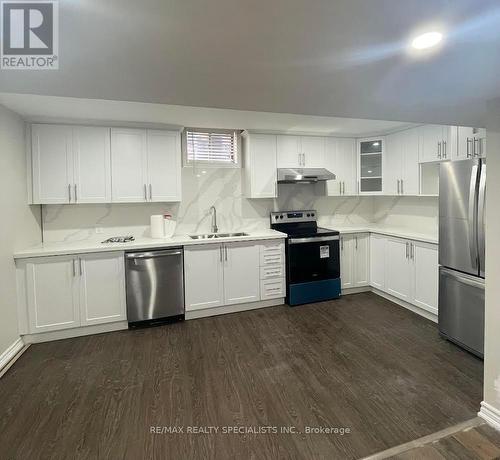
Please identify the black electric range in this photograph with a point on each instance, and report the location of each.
(312, 257)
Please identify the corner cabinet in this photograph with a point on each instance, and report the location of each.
(87, 164)
(64, 292)
(233, 273)
(259, 165)
(471, 143)
(437, 143)
(355, 260)
(371, 165)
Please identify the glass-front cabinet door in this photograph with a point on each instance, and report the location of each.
(370, 165)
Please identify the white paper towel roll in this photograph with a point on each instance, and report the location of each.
(157, 226)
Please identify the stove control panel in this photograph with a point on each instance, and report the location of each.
(293, 216)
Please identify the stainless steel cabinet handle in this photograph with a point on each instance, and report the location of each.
(398, 187)
(74, 267)
(341, 243)
(412, 248)
(469, 154)
(80, 264)
(300, 159)
(407, 249)
(225, 252)
(150, 192)
(439, 149)
(220, 253)
(445, 153)
(402, 187)
(76, 198)
(69, 193)
(476, 151)
(340, 188)
(343, 188)
(356, 243)
(145, 193)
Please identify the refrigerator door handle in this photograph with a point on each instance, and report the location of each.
(472, 217)
(480, 217)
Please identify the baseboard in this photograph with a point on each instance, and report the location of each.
(75, 332)
(195, 314)
(419, 311)
(356, 290)
(490, 415)
(9, 356)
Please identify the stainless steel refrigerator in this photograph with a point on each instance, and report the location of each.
(462, 186)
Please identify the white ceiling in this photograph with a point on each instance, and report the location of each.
(345, 58)
(92, 111)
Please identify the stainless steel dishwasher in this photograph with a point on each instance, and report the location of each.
(155, 286)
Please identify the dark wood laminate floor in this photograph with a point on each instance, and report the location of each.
(360, 362)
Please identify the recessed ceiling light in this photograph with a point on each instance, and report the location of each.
(427, 40)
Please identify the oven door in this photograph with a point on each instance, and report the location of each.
(313, 259)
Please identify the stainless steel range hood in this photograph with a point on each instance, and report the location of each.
(303, 175)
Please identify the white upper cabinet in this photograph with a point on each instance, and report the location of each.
(164, 166)
(340, 159)
(85, 164)
(371, 165)
(129, 165)
(289, 152)
(471, 143)
(313, 151)
(241, 272)
(92, 165)
(300, 151)
(52, 164)
(401, 163)
(437, 143)
(260, 165)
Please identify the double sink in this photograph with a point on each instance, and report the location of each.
(209, 236)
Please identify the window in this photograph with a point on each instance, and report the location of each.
(216, 147)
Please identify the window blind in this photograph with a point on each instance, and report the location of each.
(212, 146)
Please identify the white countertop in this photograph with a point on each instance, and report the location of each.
(390, 231)
(89, 246)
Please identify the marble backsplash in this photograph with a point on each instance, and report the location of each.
(223, 188)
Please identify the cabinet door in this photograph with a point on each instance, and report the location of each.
(480, 139)
(346, 149)
(313, 149)
(203, 276)
(361, 260)
(393, 164)
(92, 165)
(398, 268)
(102, 288)
(261, 166)
(377, 261)
(431, 139)
(52, 162)
(128, 165)
(164, 166)
(289, 152)
(52, 293)
(425, 262)
(371, 165)
(465, 143)
(410, 177)
(334, 163)
(241, 273)
(347, 261)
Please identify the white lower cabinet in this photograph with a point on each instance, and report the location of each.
(405, 269)
(64, 292)
(233, 273)
(354, 260)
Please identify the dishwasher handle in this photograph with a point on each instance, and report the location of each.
(153, 255)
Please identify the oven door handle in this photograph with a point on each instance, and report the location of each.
(312, 239)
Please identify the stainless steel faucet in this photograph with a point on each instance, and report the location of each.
(215, 229)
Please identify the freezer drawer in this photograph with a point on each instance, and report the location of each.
(461, 309)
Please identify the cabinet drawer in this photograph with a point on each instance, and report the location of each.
(272, 252)
(272, 271)
(275, 258)
(272, 288)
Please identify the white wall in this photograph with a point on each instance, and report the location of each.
(20, 222)
(492, 314)
(222, 188)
